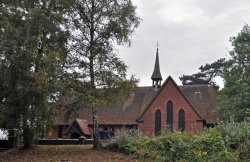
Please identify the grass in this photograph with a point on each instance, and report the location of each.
(75, 153)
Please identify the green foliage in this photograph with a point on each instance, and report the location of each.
(95, 28)
(48, 48)
(248, 115)
(234, 98)
(208, 144)
(206, 75)
(237, 136)
(227, 142)
(170, 146)
(122, 142)
(32, 53)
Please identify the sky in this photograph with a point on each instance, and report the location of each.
(2, 134)
(190, 33)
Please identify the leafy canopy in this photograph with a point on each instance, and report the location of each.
(95, 28)
(234, 100)
(32, 52)
(96, 74)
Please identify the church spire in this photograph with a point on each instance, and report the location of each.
(156, 76)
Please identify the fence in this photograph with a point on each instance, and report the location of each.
(5, 144)
(79, 141)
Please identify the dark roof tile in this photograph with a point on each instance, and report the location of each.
(201, 97)
(123, 112)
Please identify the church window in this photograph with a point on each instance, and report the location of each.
(182, 120)
(157, 122)
(170, 115)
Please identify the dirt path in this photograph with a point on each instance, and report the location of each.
(75, 153)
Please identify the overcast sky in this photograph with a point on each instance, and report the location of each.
(190, 33)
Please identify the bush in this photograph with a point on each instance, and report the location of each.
(214, 144)
(167, 147)
(237, 136)
(122, 142)
(207, 145)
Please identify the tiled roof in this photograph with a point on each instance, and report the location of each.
(201, 97)
(83, 124)
(123, 112)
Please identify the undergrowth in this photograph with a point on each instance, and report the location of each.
(226, 142)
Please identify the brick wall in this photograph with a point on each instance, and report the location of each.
(170, 92)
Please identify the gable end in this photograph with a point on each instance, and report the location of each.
(169, 79)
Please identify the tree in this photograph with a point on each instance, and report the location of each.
(234, 100)
(206, 75)
(96, 28)
(1, 96)
(32, 52)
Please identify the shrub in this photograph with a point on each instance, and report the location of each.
(237, 136)
(122, 142)
(235, 133)
(166, 147)
(214, 144)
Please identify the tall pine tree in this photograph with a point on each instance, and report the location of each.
(206, 75)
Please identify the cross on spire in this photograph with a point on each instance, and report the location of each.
(157, 44)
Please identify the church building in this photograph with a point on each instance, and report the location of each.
(150, 109)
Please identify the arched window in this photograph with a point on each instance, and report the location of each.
(170, 115)
(157, 122)
(182, 120)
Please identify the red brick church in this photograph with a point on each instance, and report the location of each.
(150, 109)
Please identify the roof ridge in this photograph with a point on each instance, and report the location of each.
(193, 85)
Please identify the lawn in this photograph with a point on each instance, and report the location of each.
(75, 153)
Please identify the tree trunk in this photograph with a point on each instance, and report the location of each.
(96, 134)
(28, 137)
(12, 135)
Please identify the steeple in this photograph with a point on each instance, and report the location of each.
(156, 76)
